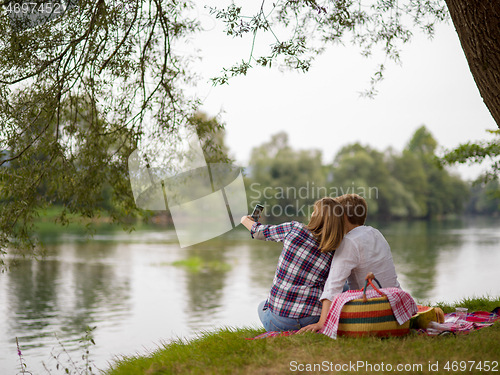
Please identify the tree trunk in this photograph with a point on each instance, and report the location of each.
(478, 26)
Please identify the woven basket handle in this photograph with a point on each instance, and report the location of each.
(368, 280)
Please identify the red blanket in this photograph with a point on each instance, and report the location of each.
(475, 320)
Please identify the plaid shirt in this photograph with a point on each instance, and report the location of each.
(301, 273)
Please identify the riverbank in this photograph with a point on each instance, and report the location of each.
(52, 213)
(227, 352)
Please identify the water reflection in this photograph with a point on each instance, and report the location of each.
(94, 285)
(416, 247)
(425, 251)
(204, 287)
(263, 261)
(65, 292)
(33, 297)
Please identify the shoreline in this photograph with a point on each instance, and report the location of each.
(226, 351)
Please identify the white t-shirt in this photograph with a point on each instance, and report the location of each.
(364, 249)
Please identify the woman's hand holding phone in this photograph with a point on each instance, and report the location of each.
(247, 222)
(257, 211)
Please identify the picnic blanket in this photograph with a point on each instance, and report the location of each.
(475, 321)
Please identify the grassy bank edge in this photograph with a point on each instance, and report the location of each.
(225, 351)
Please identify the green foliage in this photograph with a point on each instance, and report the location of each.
(408, 169)
(65, 161)
(486, 189)
(211, 134)
(444, 193)
(300, 30)
(436, 191)
(64, 362)
(485, 198)
(78, 93)
(406, 185)
(422, 143)
(474, 153)
(366, 170)
(283, 179)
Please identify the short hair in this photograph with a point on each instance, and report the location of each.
(327, 224)
(355, 208)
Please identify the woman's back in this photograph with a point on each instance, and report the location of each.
(301, 272)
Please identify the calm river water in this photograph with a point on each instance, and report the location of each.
(126, 285)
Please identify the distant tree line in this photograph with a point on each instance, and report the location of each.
(397, 185)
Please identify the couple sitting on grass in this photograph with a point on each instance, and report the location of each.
(309, 276)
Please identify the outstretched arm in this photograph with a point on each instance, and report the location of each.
(247, 222)
(261, 232)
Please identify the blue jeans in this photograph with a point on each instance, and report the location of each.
(345, 288)
(274, 322)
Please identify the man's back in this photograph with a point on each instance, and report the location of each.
(375, 256)
(364, 249)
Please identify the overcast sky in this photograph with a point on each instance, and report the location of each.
(322, 109)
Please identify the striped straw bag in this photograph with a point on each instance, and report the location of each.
(374, 316)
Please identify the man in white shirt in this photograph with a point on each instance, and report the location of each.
(363, 249)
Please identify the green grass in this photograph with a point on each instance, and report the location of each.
(486, 303)
(50, 214)
(226, 352)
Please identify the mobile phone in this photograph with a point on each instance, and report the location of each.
(257, 211)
